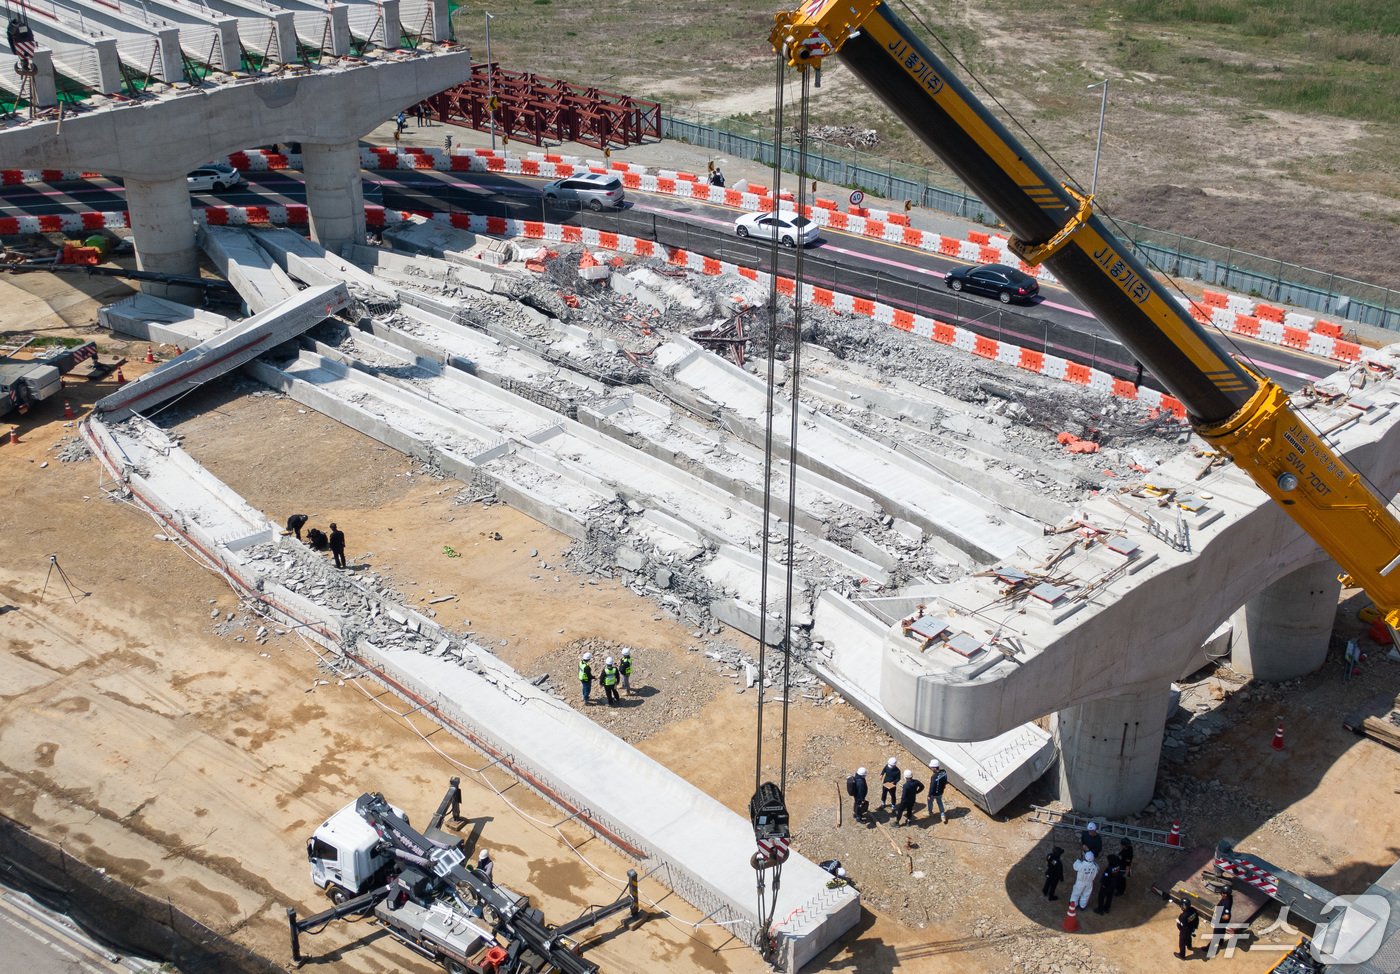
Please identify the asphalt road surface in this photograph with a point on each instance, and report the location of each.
(36, 941)
(902, 276)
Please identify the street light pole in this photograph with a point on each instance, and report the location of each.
(491, 82)
(1103, 108)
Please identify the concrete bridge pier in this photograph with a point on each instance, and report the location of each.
(1284, 631)
(1109, 750)
(162, 227)
(335, 196)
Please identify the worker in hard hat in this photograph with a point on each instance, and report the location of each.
(936, 784)
(889, 785)
(625, 668)
(486, 866)
(908, 798)
(859, 790)
(585, 676)
(611, 676)
(1085, 869)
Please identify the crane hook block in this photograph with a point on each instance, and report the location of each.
(769, 815)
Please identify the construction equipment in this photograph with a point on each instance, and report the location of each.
(1231, 406)
(25, 381)
(419, 887)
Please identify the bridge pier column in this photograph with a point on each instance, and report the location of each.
(1109, 749)
(286, 37)
(45, 91)
(442, 21)
(162, 226)
(109, 68)
(334, 194)
(1284, 631)
(392, 32)
(172, 65)
(340, 29)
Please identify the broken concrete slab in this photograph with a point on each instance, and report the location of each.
(259, 282)
(226, 351)
(310, 263)
(161, 321)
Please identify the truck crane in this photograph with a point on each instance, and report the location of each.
(417, 885)
(1236, 410)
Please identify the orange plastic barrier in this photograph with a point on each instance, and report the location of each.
(978, 237)
(1267, 312)
(1081, 374)
(1124, 389)
(1327, 328)
(943, 334)
(863, 306)
(903, 320)
(985, 347)
(1032, 361)
(1246, 325)
(1214, 299)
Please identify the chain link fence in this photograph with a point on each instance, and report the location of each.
(1173, 253)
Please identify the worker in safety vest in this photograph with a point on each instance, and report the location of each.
(610, 677)
(585, 676)
(626, 669)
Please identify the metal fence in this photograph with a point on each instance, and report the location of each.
(1176, 254)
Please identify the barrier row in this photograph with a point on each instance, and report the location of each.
(1242, 315)
(1041, 363)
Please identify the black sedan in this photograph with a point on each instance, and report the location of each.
(1006, 284)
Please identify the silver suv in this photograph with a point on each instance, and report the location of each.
(593, 189)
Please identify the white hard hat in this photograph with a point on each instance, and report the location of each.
(891, 763)
(626, 652)
(608, 661)
(587, 656)
(841, 871)
(934, 764)
(861, 772)
(1093, 826)
(483, 854)
(909, 774)
(1088, 857)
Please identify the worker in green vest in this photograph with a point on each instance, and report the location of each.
(585, 676)
(626, 668)
(610, 678)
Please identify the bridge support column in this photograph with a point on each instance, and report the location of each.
(230, 53)
(1109, 749)
(45, 91)
(392, 33)
(172, 65)
(109, 67)
(1283, 632)
(286, 37)
(442, 21)
(334, 194)
(162, 226)
(340, 29)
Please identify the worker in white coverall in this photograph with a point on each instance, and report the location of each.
(1085, 869)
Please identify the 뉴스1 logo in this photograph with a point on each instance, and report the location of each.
(1354, 932)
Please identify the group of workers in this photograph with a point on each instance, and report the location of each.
(319, 540)
(899, 792)
(1112, 882)
(611, 675)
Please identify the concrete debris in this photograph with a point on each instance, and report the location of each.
(72, 449)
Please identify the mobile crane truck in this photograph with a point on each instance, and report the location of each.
(418, 887)
(1230, 406)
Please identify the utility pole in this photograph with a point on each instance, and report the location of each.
(490, 82)
(1103, 109)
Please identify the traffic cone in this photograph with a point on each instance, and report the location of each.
(1277, 744)
(1070, 924)
(121, 379)
(1175, 838)
(14, 436)
(178, 351)
(67, 409)
(150, 354)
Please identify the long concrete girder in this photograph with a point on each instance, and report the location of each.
(1133, 612)
(681, 836)
(166, 139)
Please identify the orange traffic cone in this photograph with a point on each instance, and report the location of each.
(121, 379)
(67, 409)
(178, 350)
(1175, 838)
(150, 354)
(14, 436)
(1070, 924)
(1277, 744)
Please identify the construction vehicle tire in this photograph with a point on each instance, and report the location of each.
(455, 968)
(337, 894)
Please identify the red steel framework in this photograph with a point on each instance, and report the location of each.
(538, 110)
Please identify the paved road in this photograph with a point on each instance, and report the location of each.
(904, 277)
(35, 941)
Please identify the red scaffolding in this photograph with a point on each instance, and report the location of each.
(538, 110)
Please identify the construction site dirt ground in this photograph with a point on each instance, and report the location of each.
(141, 732)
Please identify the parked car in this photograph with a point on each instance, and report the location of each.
(594, 190)
(1006, 284)
(214, 177)
(789, 228)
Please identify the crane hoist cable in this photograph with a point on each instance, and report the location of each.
(767, 808)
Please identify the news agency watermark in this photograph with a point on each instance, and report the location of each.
(1352, 931)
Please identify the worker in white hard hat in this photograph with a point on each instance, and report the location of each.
(1085, 869)
(1091, 840)
(936, 783)
(908, 798)
(859, 790)
(610, 680)
(626, 669)
(585, 676)
(486, 866)
(889, 783)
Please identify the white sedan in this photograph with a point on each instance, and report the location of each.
(788, 228)
(215, 177)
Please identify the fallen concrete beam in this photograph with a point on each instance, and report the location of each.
(312, 264)
(254, 275)
(682, 837)
(226, 351)
(155, 319)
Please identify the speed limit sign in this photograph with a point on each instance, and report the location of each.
(857, 197)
